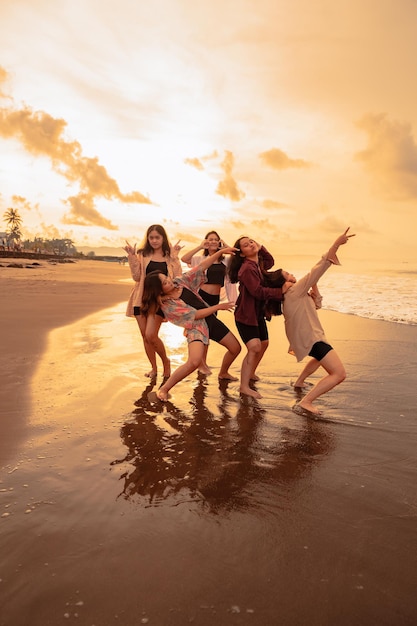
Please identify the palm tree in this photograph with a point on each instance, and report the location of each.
(14, 222)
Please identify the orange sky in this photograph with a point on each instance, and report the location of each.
(287, 120)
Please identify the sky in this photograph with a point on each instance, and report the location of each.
(283, 120)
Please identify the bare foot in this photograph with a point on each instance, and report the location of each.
(227, 376)
(307, 406)
(151, 374)
(162, 395)
(247, 391)
(205, 371)
(255, 377)
(302, 385)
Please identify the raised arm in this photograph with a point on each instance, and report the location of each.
(342, 239)
(213, 258)
(135, 264)
(186, 258)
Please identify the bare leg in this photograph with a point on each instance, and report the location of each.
(249, 364)
(307, 371)
(233, 349)
(153, 324)
(258, 359)
(149, 349)
(195, 354)
(335, 375)
(203, 368)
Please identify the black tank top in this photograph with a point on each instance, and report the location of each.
(159, 266)
(215, 274)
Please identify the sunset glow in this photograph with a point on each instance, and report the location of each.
(286, 120)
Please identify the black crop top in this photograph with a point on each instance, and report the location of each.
(159, 266)
(215, 274)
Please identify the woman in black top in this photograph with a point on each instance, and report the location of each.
(216, 276)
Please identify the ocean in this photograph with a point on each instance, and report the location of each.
(367, 291)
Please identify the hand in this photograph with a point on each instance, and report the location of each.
(287, 285)
(129, 248)
(343, 238)
(226, 306)
(176, 248)
(229, 250)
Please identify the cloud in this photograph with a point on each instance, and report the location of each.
(278, 160)
(23, 203)
(83, 213)
(228, 187)
(391, 156)
(196, 163)
(273, 204)
(43, 136)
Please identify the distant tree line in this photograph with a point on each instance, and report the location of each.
(12, 239)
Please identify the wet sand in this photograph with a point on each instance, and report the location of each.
(209, 509)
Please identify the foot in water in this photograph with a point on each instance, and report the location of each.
(247, 391)
(227, 376)
(162, 395)
(307, 409)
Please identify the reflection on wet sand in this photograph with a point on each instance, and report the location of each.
(223, 461)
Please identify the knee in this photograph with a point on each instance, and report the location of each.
(255, 350)
(236, 349)
(151, 338)
(193, 363)
(341, 376)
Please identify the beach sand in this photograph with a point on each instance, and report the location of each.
(209, 509)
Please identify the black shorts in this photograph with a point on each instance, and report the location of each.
(248, 332)
(210, 298)
(217, 330)
(136, 312)
(319, 350)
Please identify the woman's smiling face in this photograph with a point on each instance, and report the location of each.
(213, 242)
(167, 283)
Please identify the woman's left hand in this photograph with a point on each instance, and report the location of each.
(176, 248)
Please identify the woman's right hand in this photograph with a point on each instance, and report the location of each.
(228, 250)
(129, 248)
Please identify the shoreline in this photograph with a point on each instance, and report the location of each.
(34, 302)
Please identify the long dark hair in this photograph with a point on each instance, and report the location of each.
(211, 232)
(274, 278)
(235, 262)
(152, 293)
(146, 248)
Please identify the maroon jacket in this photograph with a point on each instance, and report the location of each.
(252, 294)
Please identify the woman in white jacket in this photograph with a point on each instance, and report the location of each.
(305, 332)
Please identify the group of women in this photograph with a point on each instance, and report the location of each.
(191, 300)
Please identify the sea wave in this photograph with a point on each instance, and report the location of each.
(391, 298)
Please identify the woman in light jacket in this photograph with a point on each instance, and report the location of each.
(305, 332)
(155, 253)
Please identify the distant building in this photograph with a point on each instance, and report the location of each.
(4, 241)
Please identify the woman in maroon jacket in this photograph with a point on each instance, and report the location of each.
(246, 269)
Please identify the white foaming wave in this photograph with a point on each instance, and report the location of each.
(389, 298)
